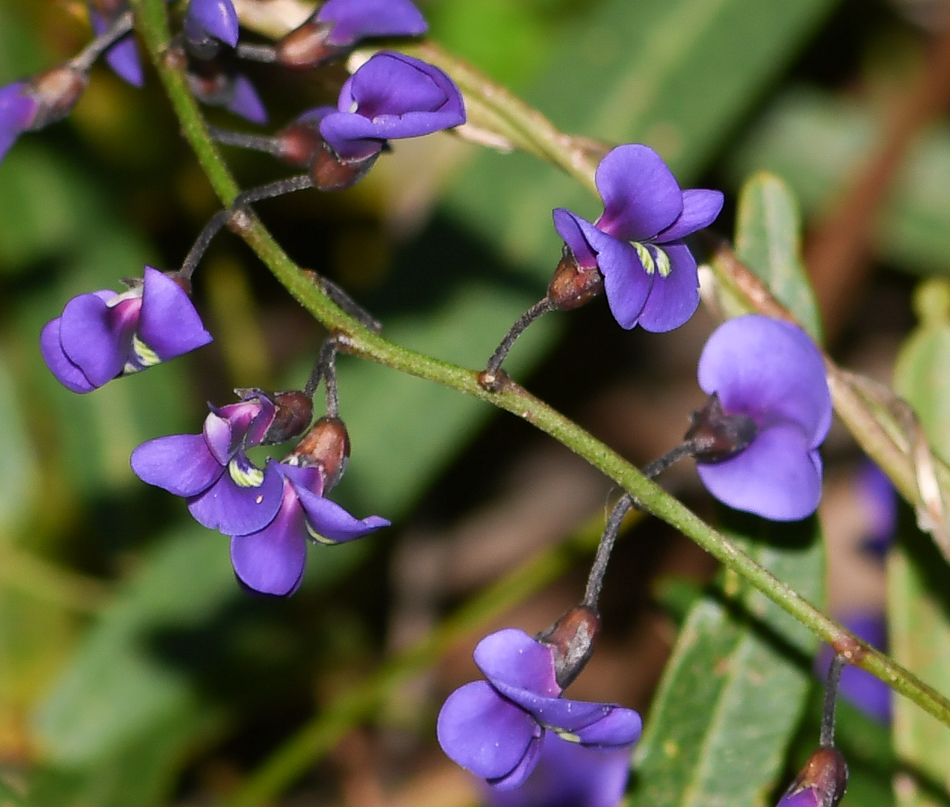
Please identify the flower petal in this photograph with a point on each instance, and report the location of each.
(179, 463)
(674, 298)
(391, 96)
(513, 658)
(123, 58)
(331, 523)
(168, 322)
(483, 732)
(568, 226)
(17, 112)
(569, 774)
(517, 777)
(354, 20)
(626, 281)
(215, 18)
(768, 370)
(245, 101)
(700, 208)
(237, 510)
(272, 560)
(96, 338)
(778, 476)
(641, 195)
(66, 372)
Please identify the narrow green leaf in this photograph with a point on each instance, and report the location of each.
(768, 240)
(736, 685)
(923, 366)
(918, 576)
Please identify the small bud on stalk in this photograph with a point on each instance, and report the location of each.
(716, 435)
(55, 93)
(330, 172)
(572, 285)
(294, 411)
(306, 47)
(572, 640)
(821, 783)
(326, 446)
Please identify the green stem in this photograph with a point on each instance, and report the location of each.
(356, 339)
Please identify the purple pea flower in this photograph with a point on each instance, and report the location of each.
(637, 244)
(18, 109)
(207, 21)
(123, 56)
(350, 21)
(271, 560)
(224, 489)
(497, 728)
(771, 372)
(102, 335)
(569, 775)
(391, 96)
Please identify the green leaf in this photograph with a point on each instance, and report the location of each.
(816, 141)
(768, 241)
(923, 365)
(735, 688)
(918, 582)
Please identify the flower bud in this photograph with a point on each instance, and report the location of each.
(717, 435)
(572, 285)
(293, 414)
(306, 46)
(329, 172)
(300, 143)
(327, 447)
(821, 783)
(55, 92)
(572, 640)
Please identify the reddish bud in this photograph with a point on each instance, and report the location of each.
(331, 173)
(56, 92)
(327, 447)
(717, 435)
(821, 783)
(573, 286)
(572, 640)
(300, 143)
(293, 415)
(307, 47)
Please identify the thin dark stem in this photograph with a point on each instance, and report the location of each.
(348, 304)
(827, 736)
(256, 53)
(595, 580)
(84, 59)
(501, 352)
(659, 465)
(265, 143)
(328, 362)
(242, 200)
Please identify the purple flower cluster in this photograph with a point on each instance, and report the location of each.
(498, 728)
(771, 372)
(637, 243)
(270, 513)
(103, 335)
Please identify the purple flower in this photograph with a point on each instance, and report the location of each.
(224, 489)
(771, 372)
(103, 335)
(211, 19)
(569, 775)
(18, 109)
(496, 728)
(271, 560)
(353, 20)
(637, 244)
(391, 96)
(219, 87)
(123, 56)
